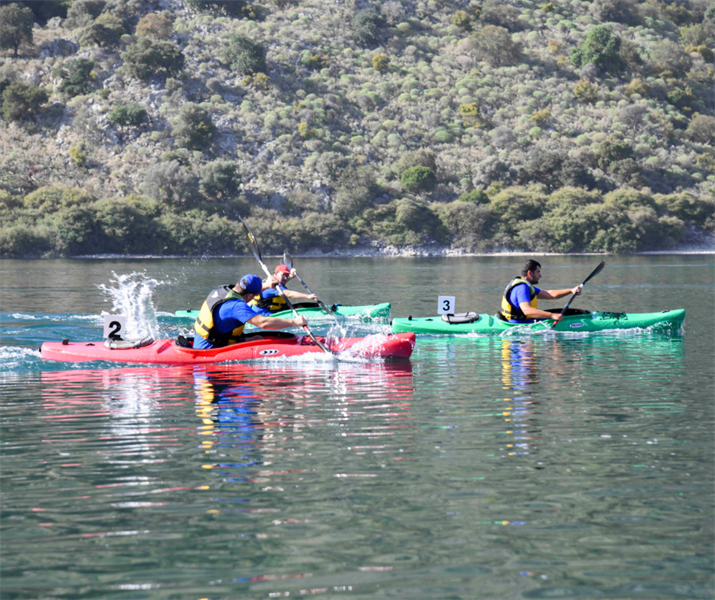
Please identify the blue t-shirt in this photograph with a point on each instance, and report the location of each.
(520, 293)
(230, 314)
(268, 294)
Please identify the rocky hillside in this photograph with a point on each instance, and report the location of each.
(132, 126)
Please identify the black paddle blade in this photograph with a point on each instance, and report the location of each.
(596, 271)
(287, 259)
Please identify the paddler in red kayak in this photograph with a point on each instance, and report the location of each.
(270, 299)
(519, 303)
(225, 312)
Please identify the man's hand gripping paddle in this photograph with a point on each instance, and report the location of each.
(595, 272)
(257, 253)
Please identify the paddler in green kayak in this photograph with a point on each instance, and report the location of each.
(225, 313)
(520, 299)
(270, 300)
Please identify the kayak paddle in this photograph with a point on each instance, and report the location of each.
(595, 272)
(288, 261)
(257, 253)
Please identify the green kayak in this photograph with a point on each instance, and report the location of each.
(574, 320)
(312, 310)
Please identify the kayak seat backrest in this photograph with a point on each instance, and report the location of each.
(114, 344)
(467, 317)
(184, 342)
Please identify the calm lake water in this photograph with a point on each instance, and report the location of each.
(532, 466)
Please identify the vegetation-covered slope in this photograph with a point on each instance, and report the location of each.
(146, 127)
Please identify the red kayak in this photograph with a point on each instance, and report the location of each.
(168, 352)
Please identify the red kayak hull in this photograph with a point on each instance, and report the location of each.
(166, 352)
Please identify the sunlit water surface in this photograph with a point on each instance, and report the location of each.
(542, 466)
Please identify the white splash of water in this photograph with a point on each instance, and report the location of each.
(132, 296)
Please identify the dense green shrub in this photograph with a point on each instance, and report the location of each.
(356, 189)
(400, 222)
(53, 198)
(193, 127)
(331, 165)
(619, 11)
(128, 115)
(514, 205)
(494, 12)
(366, 26)
(105, 31)
(146, 58)
(172, 184)
(611, 150)
(228, 7)
(688, 208)
(83, 12)
(418, 158)
(77, 76)
(601, 48)
(15, 27)
(244, 55)
(418, 180)
(20, 100)
(220, 179)
(475, 196)
(467, 225)
(555, 170)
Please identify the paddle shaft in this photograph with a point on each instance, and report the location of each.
(257, 254)
(288, 260)
(595, 272)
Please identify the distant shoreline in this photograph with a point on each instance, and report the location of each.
(387, 252)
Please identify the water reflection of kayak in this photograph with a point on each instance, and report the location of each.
(574, 320)
(266, 345)
(313, 310)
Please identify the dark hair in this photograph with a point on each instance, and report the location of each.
(529, 265)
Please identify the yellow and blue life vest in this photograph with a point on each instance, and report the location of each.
(204, 324)
(511, 312)
(272, 303)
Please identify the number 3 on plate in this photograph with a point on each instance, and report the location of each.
(446, 305)
(114, 325)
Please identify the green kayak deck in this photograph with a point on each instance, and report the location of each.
(585, 321)
(312, 310)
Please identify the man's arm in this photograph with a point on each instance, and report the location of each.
(556, 294)
(273, 323)
(299, 295)
(535, 313)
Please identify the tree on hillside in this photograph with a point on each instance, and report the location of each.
(19, 100)
(245, 56)
(618, 11)
(366, 26)
(193, 128)
(15, 27)
(492, 44)
(601, 48)
(147, 57)
(418, 180)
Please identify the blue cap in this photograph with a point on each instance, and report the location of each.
(252, 284)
